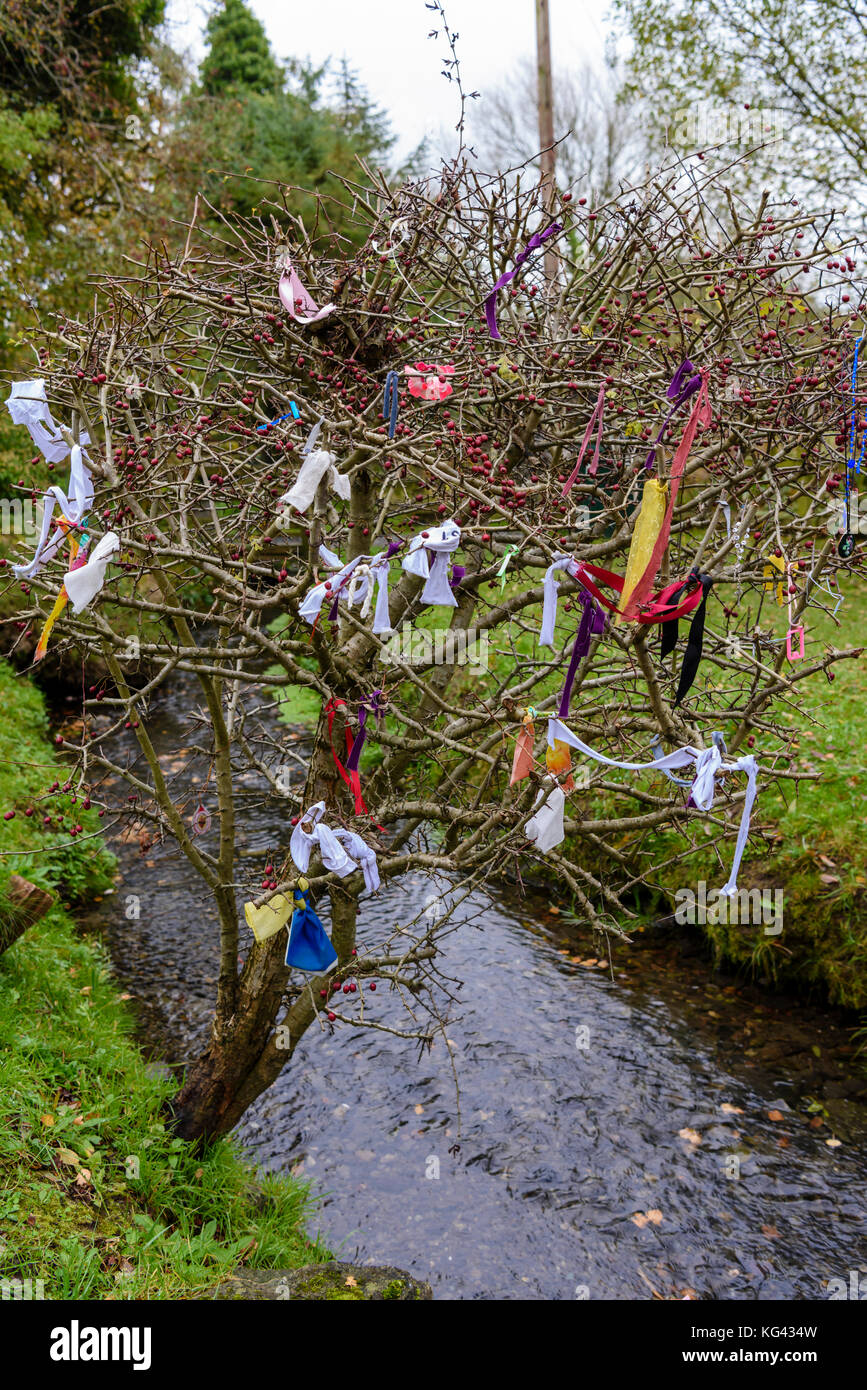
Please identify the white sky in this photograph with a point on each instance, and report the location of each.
(386, 41)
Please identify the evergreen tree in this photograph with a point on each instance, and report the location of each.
(239, 57)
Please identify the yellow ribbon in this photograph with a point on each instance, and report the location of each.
(774, 562)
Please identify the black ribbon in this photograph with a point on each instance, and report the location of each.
(694, 643)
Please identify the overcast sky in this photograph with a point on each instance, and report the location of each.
(386, 41)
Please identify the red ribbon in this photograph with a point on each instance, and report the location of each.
(652, 612)
(598, 411)
(700, 413)
(352, 779)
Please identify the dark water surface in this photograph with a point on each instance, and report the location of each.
(635, 1159)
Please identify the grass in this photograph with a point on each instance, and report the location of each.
(813, 840)
(97, 1198)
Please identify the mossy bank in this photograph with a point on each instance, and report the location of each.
(97, 1199)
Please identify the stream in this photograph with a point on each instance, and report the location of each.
(629, 1138)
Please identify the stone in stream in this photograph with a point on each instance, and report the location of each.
(319, 1283)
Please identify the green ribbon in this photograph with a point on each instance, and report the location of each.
(501, 572)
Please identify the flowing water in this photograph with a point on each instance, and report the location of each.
(615, 1139)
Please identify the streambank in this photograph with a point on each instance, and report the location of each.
(98, 1199)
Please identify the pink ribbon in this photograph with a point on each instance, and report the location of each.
(598, 411)
(295, 298)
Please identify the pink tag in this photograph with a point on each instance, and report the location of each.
(428, 381)
(797, 632)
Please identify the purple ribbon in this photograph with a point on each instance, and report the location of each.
(458, 572)
(376, 705)
(592, 624)
(685, 382)
(393, 548)
(532, 245)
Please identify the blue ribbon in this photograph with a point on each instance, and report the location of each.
(309, 947)
(389, 403)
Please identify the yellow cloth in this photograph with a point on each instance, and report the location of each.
(59, 604)
(264, 921)
(647, 529)
(774, 562)
(558, 760)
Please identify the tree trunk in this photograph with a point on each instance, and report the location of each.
(27, 904)
(545, 88)
(248, 1053)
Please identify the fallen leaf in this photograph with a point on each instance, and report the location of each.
(655, 1216)
(770, 1231)
(691, 1134)
(350, 1282)
(68, 1156)
(833, 1143)
(419, 1109)
(640, 1219)
(47, 1120)
(775, 1115)
(728, 1109)
(86, 990)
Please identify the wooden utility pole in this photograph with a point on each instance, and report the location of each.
(545, 89)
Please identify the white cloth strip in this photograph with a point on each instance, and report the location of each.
(550, 591)
(340, 850)
(74, 504)
(83, 584)
(546, 828)
(28, 405)
(708, 763)
(365, 857)
(378, 570)
(441, 542)
(316, 465)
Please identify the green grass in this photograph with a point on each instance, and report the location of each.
(814, 842)
(97, 1198)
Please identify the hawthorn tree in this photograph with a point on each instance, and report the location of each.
(185, 378)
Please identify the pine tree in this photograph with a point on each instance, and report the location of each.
(239, 57)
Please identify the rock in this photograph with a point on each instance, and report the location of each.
(25, 905)
(847, 1119)
(337, 1280)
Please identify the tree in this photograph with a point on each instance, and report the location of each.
(771, 76)
(598, 136)
(239, 56)
(248, 122)
(185, 378)
(80, 85)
